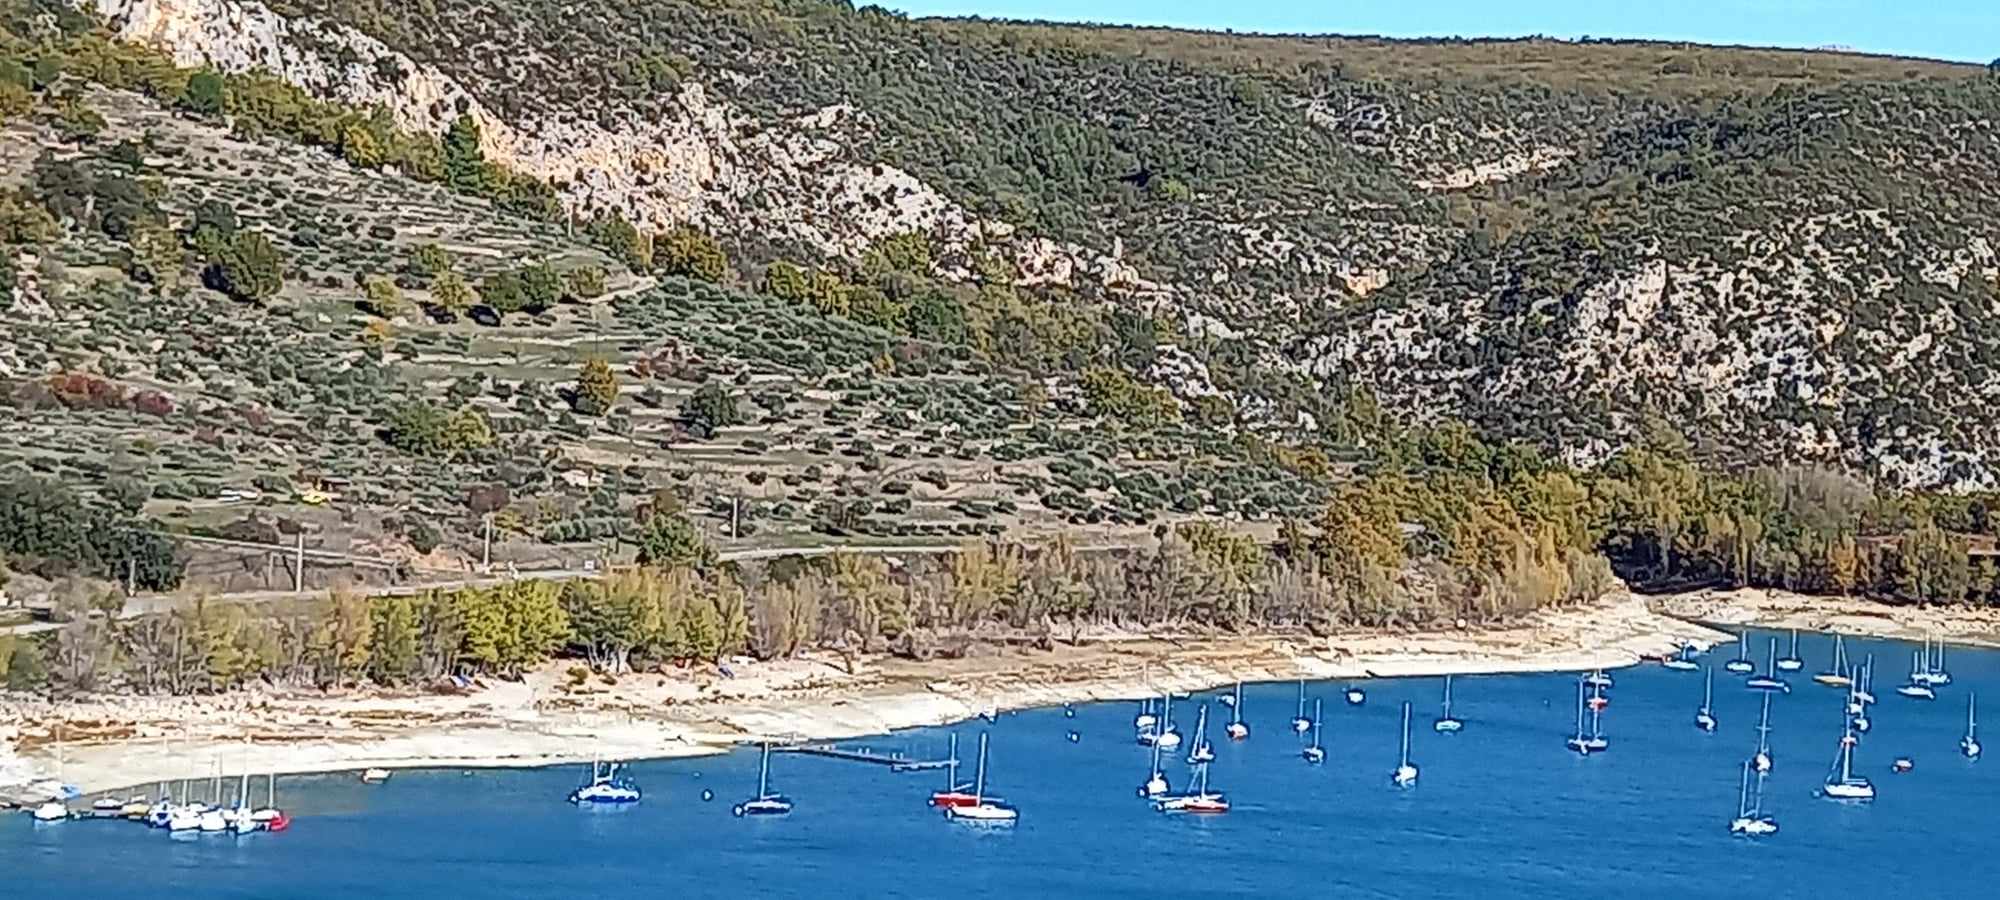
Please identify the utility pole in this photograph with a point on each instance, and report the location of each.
(486, 546)
(299, 565)
(735, 515)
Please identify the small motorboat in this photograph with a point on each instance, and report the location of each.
(373, 775)
(1682, 661)
(1902, 764)
(50, 811)
(1355, 696)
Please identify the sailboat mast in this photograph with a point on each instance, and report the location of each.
(1707, 687)
(979, 780)
(1447, 696)
(951, 765)
(1316, 718)
(1771, 661)
(1764, 727)
(764, 771)
(271, 799)
(1579, 706)
(1406, 734)
(1236, 708)
(1743, 793)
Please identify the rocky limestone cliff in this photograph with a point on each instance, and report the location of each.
(708, 164)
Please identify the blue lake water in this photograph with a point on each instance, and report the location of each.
(1503, 810)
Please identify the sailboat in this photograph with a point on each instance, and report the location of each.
(1315, 753)
(1704, 718)
(1769, 681)
(269, 817)
(982, 808)
(954, 794)
(240, 819)
(1156, 781)
(1405, 774)
(1597, 741)
(605, 786)
(1300, 723)
(1919, 686)
(1934, 671)
(1445, 724)
(1145, 720)
(1791, 662)
(1751, 821)
(1237, 730)
(1841, 782)
(1858, 709)
(1202, 752)
(1836, 676)
(1200, 801)
(1580, 742)
(1865, 682)
(1969, 745)
(1682, 660)
(1741, 665)
(1762, 759)
(212, 818)
(765, 803)
(1598, 679)
(54, 809)
(1167, 738)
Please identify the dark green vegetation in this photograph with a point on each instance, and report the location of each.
(1325, 252)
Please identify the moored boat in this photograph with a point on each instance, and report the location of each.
(767, 802)
(982, 809)
(1445, 723)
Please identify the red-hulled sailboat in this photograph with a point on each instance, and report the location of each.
(954, 794)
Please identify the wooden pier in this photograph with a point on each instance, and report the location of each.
(896, 761)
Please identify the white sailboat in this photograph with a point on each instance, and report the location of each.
(1145, 720)
(1704, 718)
(1156, 782)
(1934, 671)
(54, 809)
(240, 819)
(1579, 742)
(1201, 752)
(1919, 686)
(1315, 753)
(1405, 774)
(766, 803)
(1445, 724)
(1741, 665)
(1858, 709)
(1751, 820)
(1598, 679)
(213, 819)
(1841, 782)
(1769, 680)
(1300, 723)
(1792, 662)
(1597, 741)
(1837, 676)
(1200, 801)
(1168, 738)
(605, 786)
(1864, 682)
(1969, 744)
(270, 817)
(982, 808)
(1237, 730)
(1682, 660)
(1762, 760)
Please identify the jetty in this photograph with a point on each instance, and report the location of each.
(896, 762)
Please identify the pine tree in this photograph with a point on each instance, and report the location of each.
(596, 388)
(393, 637)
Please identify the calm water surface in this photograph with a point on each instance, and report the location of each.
(1502, 811)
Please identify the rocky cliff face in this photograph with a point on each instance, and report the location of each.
(707, 163)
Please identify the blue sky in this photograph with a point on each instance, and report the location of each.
(1967, 30)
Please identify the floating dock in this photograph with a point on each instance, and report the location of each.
(895, 761)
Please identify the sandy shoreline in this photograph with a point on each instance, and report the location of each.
(1759, 608)
(116, 743)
